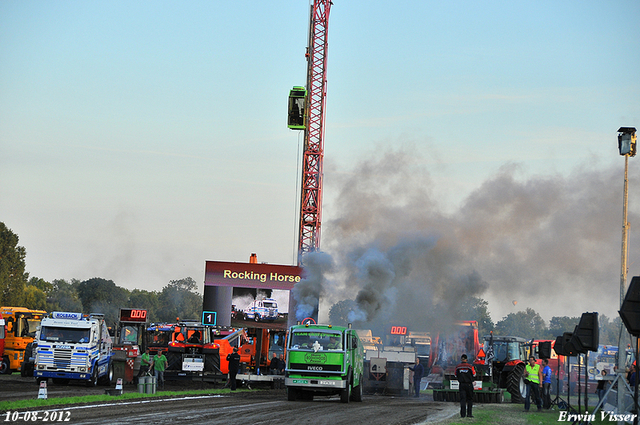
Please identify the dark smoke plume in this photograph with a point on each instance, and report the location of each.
(311, 288)
(550, 242)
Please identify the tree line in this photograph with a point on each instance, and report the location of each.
(526, 324)
(178, 299)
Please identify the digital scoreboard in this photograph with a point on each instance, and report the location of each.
(398, 330)
(133, 315)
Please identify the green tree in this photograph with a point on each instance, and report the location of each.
(478, 309)
(41, 284)
(609, 330)
(148, 300)
(180, 299)
(561, 324)
(13, 278)
(526, 324)
(34, 298)
(102, 296)
(339, 312)
(64, 297)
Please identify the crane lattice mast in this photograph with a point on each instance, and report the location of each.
(311, 196)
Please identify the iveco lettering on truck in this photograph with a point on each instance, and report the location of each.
(324, 360)
(74, 346)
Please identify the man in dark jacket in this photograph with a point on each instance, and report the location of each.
(274, 366)
(418, 371)
(465, 373)
(234, 365)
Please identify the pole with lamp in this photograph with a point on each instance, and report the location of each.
(627, 147)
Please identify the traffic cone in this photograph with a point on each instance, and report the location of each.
(42, 392)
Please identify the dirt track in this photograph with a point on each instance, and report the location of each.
(247, 407)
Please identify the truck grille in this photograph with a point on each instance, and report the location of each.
(316, 368)
(62, 359)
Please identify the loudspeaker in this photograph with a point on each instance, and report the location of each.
(630, 308)
(544, 349)
(586, 336)
(568, 345)
(558, 346)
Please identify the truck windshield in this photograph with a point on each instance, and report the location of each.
(316, 341)
(270, 305)
(57, 334)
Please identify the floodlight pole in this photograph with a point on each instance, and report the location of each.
(623, 281)
(625, 231)
(625, 134)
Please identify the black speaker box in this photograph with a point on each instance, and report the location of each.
(586, 336)
(630, 308)
(544, 349)
(568, 344)
(558, 346)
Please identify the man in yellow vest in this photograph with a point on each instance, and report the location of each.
(533, 379)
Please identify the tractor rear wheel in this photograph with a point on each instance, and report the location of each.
(515, 384)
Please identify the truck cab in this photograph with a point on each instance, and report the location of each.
(324, 360)
(20, 329)
(265, 310)
(74, 346)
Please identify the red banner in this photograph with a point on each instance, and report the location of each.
(251, 275)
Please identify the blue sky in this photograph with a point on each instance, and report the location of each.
(139, 139)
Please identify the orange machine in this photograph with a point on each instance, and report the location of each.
(20, 329)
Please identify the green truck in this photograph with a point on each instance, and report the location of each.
(324, 360)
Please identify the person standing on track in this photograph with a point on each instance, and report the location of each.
(465, 373)
(546, 384)
(160, 364)
(418, 371)
(533, 379)
(234, 365)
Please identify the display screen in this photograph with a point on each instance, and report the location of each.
(398, 330)
(133, 315)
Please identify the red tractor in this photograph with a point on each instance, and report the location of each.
(503, 359)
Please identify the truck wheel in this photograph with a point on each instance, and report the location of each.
(5, 369)
(256, 317)
(94, 377)
(356, 393)
(515, 383)
(26, 369)
(108, 378)
(292, 394)
(344, 395)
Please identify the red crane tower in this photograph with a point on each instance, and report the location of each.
(313, 125)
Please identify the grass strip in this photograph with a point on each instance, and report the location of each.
(64, 401)
(514, 414)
